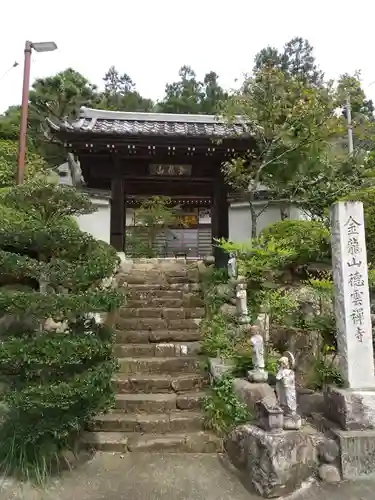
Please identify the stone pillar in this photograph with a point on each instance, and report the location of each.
(353, 407)
(118, 214)
(352, 299)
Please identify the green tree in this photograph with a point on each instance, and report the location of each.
(362, 110)
(120, 93)
(35, 165)
(191, 96)
(214, 94)
(295, 60)
(154, 215)
(10, 123)
(61, 96)
(293, 126)
(56, 363)
(57, 97)
(184, 95)
(350, 86)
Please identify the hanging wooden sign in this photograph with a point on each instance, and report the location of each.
(170, 170)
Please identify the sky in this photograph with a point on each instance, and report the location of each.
(151, 39)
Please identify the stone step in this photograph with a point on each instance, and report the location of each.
(188, 300)
(165, 365)
(157, 336)
(160, 423)
(186, 442)
(164, 287)
(159, 350)
(158, 383)
(158, 278)
(159, 403)
(144, 294)
(162, 312)
(156, 324)
(171, 291)
(106, 441)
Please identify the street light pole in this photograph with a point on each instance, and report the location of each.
(350, 127)
(24, 113)
(38, 47)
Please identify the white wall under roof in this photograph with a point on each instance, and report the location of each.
(240, 218)
(98, 223)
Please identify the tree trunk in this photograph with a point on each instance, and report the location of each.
(253, 220)
(284, 215)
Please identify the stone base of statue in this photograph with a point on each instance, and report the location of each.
(350, 409)
(257, 375)
(292, 422)
(274, 463)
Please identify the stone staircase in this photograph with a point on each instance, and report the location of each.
(161, 380)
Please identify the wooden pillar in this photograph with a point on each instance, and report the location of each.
(220, 219)
(118, 215)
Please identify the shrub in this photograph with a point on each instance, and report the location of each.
(154, 215)
(309, 240)
(218, 337)
(54, 380)
(223, 409)
(262, 263)
(35, 165)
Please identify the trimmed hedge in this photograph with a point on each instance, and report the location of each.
(54, 381)
(309, 240)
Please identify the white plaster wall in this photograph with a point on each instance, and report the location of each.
(298, 214)
(98, 223)
(240, 219)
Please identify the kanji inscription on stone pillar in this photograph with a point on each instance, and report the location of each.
(352, 299)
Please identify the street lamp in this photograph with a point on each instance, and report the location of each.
(38, 47)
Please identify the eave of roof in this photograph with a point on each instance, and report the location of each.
(122, 123)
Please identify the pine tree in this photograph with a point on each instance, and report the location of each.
(56, 363)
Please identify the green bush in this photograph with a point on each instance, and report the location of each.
(223, 409)
(263, 264)
(35, 165)
(218, 337)
(367, 196)
(137, 245)
(54, 381)
(309, 240)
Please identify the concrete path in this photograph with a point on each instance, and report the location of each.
(166, 477)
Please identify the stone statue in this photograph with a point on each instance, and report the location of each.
(286, 392)
(258, 373)
(232, 266)
(241, 303)
(263, 320)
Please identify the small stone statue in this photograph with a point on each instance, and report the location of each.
(263, 320)
(232, 266)
(258, 373)
(241, 303)
(286, 392)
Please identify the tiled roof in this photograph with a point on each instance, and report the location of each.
(152, 124)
